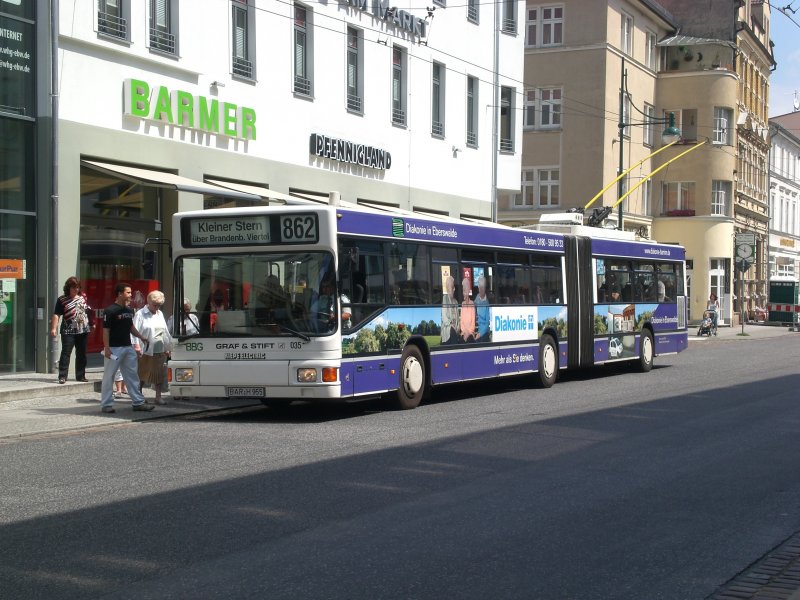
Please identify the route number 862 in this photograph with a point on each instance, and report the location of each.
(299, 228)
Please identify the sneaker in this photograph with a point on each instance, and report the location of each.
(143, 407)
(160, 401)
(108, 409)
(62, 380)
(115, 395)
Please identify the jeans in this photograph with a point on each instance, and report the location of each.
(128, 364)
(68, 342)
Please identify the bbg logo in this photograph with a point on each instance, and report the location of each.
(194, 347)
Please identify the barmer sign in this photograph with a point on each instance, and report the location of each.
(177, 107)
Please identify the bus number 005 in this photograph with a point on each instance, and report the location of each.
(298, 229)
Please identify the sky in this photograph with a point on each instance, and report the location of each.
(785, 80)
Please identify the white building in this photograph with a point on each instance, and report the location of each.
(784, 197)
(403, 106)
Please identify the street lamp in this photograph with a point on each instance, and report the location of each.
(670, 135)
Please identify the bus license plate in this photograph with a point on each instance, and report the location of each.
(246, 392)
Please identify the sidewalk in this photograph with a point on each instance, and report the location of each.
(34, 403)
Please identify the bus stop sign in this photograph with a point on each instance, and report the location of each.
(745, 250)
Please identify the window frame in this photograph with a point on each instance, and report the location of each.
(719, 131)
(724, 189)
(163, 38)
(649, 134)
(540, 25)
(626, 33)
(241, 64)
(438, 79)
(354, 100)
(113, 24)
(302, 29)
(506, 122)
(399, 87)
(651, 50)
(472, 111)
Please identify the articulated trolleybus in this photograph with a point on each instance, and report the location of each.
(340, 303)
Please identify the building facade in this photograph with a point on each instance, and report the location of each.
(25, 167)
(597, 100)
(177, 105)
(784, 197)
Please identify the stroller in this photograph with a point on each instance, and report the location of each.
(708, 325)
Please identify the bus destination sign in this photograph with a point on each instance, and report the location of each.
(230, 231)
(250, 230)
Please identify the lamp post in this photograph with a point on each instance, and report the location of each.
(669, 135)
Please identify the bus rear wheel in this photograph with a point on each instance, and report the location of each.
(548, 361)
(412, 378)
(646, 351)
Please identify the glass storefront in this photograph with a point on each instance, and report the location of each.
(119, 223)
(17, 251)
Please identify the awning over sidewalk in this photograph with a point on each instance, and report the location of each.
(258, 190)
(166, 180)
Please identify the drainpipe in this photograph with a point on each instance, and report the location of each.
(54, 173)
(496, 109)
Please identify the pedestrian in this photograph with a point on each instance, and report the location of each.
(150, 322)
(77, 321)
(117, 331)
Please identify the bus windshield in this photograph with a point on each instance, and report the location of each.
(248, 295)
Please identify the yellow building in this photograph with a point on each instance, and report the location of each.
(601, 80)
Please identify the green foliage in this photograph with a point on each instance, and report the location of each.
(560, 325)
(600, 324)
(643, 318)
(366, 341)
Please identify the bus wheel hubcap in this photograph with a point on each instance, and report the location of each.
(549, 360)
(412, 376)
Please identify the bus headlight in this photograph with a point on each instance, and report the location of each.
(307, 375)
(184, 375)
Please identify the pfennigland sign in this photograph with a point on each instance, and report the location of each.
(349, 152)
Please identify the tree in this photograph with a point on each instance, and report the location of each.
(366, 341)
(600, 324)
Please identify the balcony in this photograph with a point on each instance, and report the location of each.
(111, 25)
(506, 145)
(161, 40)
(354, 103)
(679, 212)
(242, 67)
(472, 138)
(302, 85)
(398, 116)
(437, 128)
(472, 13)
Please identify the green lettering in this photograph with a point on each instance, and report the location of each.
(247, 123)
(184, 108)
(208, 114)
(163, 110)
(229, 119)
(137, 98)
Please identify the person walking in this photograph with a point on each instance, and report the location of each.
(150, 322)
(119, 354)
(77, 321)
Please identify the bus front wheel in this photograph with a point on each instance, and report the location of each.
(412, 378)
(548, 361)
(646, 351)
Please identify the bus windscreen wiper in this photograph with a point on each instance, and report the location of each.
(302, 336)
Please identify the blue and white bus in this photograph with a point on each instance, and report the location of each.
(340, 303)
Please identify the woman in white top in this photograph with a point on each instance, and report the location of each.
(150, 322)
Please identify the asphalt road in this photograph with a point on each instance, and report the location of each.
(612, 484)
